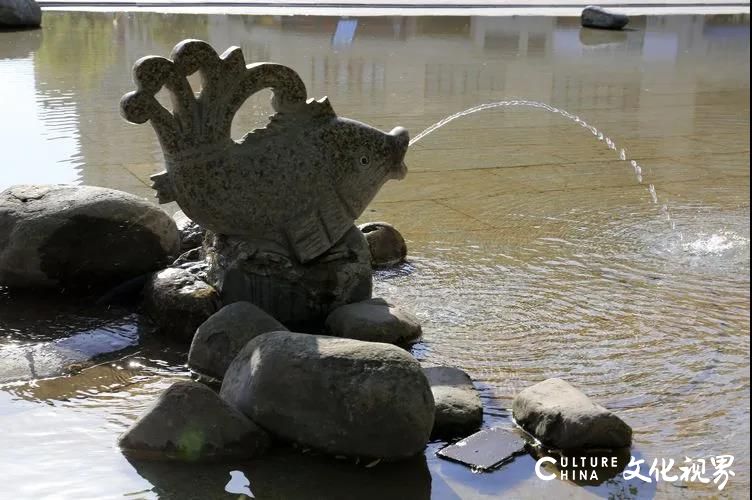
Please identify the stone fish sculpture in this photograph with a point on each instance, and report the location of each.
(295, 186)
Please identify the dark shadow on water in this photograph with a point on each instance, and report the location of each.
(19, 43)
(595, 37)
(287, 474)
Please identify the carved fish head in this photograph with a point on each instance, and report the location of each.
(362, 159)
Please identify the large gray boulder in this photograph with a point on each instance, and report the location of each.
(374, 320)
(189, 422)
(340, 396)
(179, 302)
(459, 410)
(386, 244)
(561, 416)
(20, 14)
(219, 339)
(80, 237)
(598, 17)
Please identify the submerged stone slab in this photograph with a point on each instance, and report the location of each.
(339, 396)
(219, 339)
(297, 184)
(459, 410)
(598, 17)
(561, 416)
(387, 246)
(20, 14)
(374, 320)
(485, 450)
(179, 302)
(189, 422)
(20, 362)
(80, 237)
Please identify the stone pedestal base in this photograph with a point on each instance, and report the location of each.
(300, 296)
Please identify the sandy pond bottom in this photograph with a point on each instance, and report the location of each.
(535, 249)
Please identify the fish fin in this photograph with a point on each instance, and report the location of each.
(308, 236)
(162, 184)
(336, 216)
(316, 232)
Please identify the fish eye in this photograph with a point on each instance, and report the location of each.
(364, 160)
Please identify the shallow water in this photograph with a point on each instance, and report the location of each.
(535, 251)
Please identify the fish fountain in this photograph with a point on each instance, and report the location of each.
(281, 202)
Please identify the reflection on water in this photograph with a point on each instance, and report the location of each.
(535, 250)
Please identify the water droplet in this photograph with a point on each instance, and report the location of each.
(653, 194)
(623, 155)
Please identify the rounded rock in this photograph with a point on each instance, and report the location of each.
(219, 339)
(387, 246)
(190, 422)
(178, 302)
(459, 410)
(374, 320)
(80, 237)
(561, 416)
(340, 396)
(597, 17)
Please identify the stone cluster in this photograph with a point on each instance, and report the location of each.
(349, 390)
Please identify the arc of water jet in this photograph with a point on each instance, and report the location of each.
(541, 105)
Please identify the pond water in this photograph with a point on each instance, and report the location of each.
(535, 249)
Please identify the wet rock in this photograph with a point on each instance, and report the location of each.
(191, 234)
(459, 410)
(194, 262)
(386, 244)
(298, 295)
(20, 14)
(598, 17)
(340, 396)
(178, 302)
(80, 237)
(561, 416)
(374, 320)
(189, 422)
(219, 339)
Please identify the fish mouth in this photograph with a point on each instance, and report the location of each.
(401, 141)
(400, 172)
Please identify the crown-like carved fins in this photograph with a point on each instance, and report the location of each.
(288, 89)
(226, 83)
